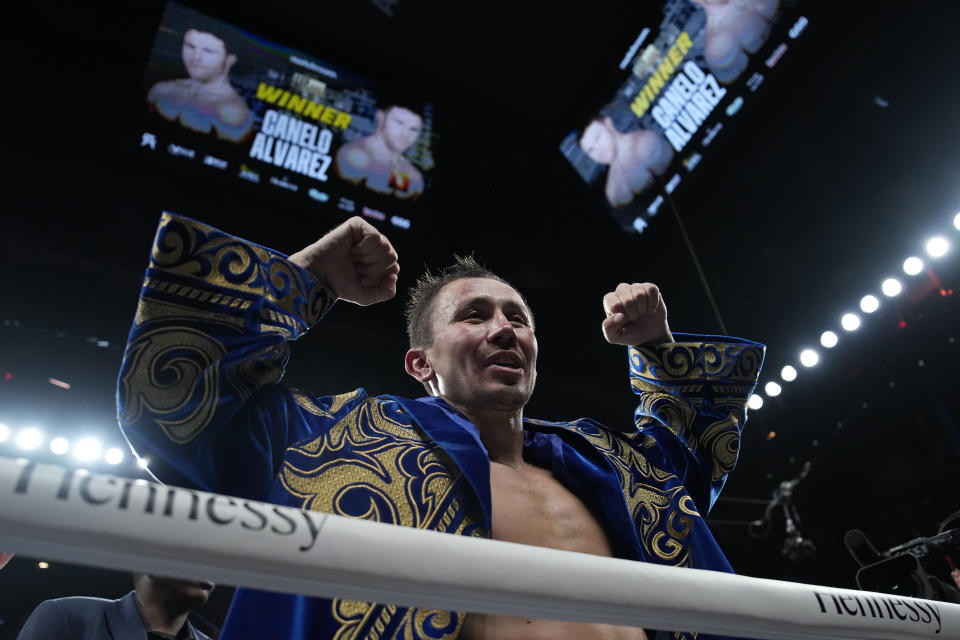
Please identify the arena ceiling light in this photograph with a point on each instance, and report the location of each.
(912, 266)
(143, 463)
(4, 432)
(29, 438)
(809, 357)
(113, 455)
(850, 322)
(891, 287)
(755, 401)
(937, 247)
(59, 445)
(87, 449)
(829, 339)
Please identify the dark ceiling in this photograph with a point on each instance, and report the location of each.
(839, 166)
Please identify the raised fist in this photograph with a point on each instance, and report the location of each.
(355, 260)
(636, 314)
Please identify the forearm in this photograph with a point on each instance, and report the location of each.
(210, 334)
(696, 390)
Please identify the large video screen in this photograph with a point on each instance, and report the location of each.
(229, 101)
(684, 78)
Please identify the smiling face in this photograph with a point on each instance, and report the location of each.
(205, 55)
(484, 351)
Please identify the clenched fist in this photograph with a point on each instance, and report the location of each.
(355, 260)
(636, 314)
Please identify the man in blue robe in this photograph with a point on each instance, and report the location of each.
(199, 389)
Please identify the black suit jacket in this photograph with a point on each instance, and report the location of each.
(80, 618)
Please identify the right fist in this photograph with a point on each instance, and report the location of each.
(355, 260)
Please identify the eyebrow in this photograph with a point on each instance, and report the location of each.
(488, 301)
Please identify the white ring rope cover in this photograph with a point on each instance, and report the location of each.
(119, 523)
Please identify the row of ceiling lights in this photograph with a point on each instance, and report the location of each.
(936, 247)
(86, 449)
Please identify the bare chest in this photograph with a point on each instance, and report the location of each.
(531, 506)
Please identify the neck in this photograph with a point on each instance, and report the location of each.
(159, 618)
(624, 148)
(216, 82)
(378, 146)
(501, 433)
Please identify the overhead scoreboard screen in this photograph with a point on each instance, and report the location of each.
(684, 77)
(226, 100)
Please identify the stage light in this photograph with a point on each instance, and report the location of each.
(850, 322)
(43, 565)
(773, 389)
(956, 221)
(809, 357)
(113, 455)
(755, 401)
(59, 445)
(788, 373)
(29, 438)
(891, 287)
(937, 247)
(142, 463)
(87, 449)
(869, 303)
(912, 266)
(4, 432)
(829, 339)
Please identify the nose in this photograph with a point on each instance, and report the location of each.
(502, 331)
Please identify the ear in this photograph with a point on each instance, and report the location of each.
(230, 61)
(380, 117)
(418, 365)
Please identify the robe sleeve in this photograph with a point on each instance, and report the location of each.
(693, 403)
(198, 391)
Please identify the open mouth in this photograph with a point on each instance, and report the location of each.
(505, 360)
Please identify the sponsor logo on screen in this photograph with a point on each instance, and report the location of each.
(177, 150)
(283, 183)
(251, 175)
(213, 161)
(734, 105)
(776, 55)
(319, 196)
(798, 27)
(373, 213)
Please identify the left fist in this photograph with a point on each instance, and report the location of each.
(636, 314)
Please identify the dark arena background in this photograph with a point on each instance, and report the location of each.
(796, 185)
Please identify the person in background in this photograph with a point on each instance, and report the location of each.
(377, 161)
(157, 609)
(632, 158)
(204, 101)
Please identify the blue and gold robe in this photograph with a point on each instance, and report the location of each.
(199, 390)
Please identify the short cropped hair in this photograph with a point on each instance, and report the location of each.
(421, 296)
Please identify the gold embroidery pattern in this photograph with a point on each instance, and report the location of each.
(172, 371)
(192, 249)
(371, 465)
(686, 362)
(660, 526)
(659, 374)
